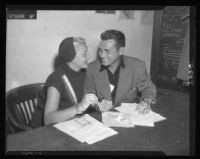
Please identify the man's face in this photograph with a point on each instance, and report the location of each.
(80, 59)
(108, 52)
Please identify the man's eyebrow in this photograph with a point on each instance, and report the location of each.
(107, 49)
(104, 49)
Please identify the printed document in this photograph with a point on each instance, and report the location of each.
(140, 119)
(137, 119)
(117, 119)
(86, 129)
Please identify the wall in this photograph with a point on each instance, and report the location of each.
(31, 45)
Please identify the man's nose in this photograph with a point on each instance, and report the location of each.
(103, 54)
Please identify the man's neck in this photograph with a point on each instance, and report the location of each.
(114, 66)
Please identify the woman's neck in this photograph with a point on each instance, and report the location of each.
(73, 67)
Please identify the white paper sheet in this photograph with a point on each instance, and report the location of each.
(140, 119)
(85, 129)
(117, 119)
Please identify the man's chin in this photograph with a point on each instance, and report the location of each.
(104, 63)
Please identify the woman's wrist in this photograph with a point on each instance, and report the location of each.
(77, 108)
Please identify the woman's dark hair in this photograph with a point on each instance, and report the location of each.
(66, 52)
(58, 61)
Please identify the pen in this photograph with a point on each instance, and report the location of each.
(97, 107)
(100, 98)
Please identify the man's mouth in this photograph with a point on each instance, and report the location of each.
(103, 60)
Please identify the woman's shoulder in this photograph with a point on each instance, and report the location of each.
(54, 80)
(55, 75)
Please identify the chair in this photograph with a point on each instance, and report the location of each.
(20, 105)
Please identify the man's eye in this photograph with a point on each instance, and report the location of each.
(107, 51)
(100, 51)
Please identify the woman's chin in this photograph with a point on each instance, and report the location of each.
(84, 66)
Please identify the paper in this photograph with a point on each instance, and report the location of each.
(117, 119)
(127, 107)
(85, 129)
(140, 119)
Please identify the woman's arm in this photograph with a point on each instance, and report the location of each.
(51, 112)
(53, 115)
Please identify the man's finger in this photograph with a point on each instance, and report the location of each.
(144, 110)
(107, 104)
(105, 107)
(138, 107)
(147, 110)
(140, 110)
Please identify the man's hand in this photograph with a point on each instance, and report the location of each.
(105, 105)
(88, 99)
(144, 106)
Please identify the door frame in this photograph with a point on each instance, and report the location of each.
(155, 45)
(155, 52)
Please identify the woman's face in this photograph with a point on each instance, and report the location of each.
(80, 59)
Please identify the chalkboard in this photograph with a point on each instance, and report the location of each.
(172, 35)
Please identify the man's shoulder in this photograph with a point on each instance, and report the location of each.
(132, 60)
(94, 65)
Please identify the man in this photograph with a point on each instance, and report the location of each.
(116, 78)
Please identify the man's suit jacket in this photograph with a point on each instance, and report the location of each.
(133, 78)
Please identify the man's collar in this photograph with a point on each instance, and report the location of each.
(121, 64)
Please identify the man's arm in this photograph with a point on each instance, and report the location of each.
(145, 85)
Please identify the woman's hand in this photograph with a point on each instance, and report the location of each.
(88, 99)
(105, 105)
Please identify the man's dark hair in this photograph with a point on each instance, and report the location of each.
(116, 35)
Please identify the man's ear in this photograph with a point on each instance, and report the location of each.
(121, 50)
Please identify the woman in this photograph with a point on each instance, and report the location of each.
(60, 99)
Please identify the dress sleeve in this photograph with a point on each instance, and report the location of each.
(54, 80)
(89, 83)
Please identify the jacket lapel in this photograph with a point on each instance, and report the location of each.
(103, 87)
(122, 83)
